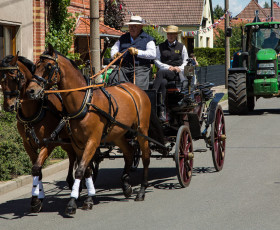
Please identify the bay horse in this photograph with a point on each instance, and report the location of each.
(36, 120)
(127, 103)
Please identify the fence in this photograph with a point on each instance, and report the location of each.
(213, 73)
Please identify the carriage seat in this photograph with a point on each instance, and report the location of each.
(174, 85)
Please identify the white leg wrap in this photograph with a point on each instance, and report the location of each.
(41, 190)
(75, 189)
(35, 188)
(90, 186)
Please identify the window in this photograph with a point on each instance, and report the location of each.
(7, 40)
(207, 42)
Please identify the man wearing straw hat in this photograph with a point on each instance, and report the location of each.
(141, 51)
(171, 58)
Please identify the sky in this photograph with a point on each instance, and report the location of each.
(236, 6)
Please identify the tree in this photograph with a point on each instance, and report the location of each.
(235, 40)
(266, 5)
(154, 33)
(114, 14)
(61, 28)
(218, 12)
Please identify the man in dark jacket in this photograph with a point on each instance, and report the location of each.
(171, 58)
(142, 47)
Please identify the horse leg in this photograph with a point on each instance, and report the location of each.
(128, 159)
(146, 154)
(72, 158)
(83, 164)
(37, 188)
(88, 203)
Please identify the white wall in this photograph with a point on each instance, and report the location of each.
(202, 40)
(20, 13)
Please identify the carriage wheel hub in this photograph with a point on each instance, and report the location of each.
(190, 155)
(223, 137)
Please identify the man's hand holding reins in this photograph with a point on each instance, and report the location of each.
(116, 55)
(133, 51)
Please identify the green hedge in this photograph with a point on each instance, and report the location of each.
(14, 161)
(212, 56)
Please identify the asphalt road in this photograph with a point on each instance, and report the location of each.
(244, 195)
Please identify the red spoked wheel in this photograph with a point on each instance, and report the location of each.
(218, 139)
(184, 156)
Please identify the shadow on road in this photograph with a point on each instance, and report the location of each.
(108, 189)
(256, 112)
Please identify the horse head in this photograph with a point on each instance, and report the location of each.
(12, 80)
(47, 74)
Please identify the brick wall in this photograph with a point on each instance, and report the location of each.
(39, 21)
(83, 7)
(38, 28)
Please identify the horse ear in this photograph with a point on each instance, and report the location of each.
(50, 49)
(14, 60)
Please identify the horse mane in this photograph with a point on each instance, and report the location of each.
(29, 64)
(74, 64)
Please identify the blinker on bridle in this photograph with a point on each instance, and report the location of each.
(13, 93)
(53, 69)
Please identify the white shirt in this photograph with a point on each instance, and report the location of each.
(149, 53)
(164, 66)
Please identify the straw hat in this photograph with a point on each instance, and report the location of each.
(135, 20)
(172, 29)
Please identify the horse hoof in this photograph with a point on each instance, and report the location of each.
(36, 205)
(71, 207)
(140, 197)
(127, 192)
(70, 211)
(88, 203)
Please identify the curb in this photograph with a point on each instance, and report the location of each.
(8, 186)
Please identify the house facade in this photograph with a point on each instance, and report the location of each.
(191, 16)
(16, 28)
(25, 30)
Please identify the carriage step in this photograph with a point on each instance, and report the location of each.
(200, 150)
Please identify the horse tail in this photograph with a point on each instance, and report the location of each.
(155, 129)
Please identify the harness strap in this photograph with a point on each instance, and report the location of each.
(120, 86)
(115, 122)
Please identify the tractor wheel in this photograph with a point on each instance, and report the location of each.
(237, 94)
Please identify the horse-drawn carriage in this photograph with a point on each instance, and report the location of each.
(192, 110)
(94, 117)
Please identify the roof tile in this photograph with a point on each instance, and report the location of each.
(166, 12)
(83, 28)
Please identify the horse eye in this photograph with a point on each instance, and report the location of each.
(48, 66)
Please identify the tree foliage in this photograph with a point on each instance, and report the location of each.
(154, 33)
(266, 5)
(218, 12)
(114, 14)
(235, 40)
(61, 27)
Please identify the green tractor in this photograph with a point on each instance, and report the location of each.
(254, 72)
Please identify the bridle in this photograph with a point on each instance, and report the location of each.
(53, 70)
(18, 78)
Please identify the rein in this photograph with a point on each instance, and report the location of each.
(85, 87)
